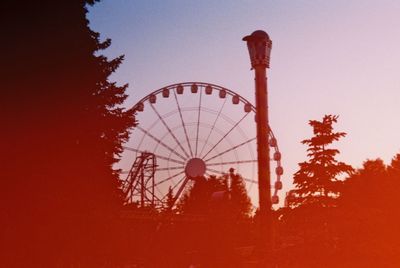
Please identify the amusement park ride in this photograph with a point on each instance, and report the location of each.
(195, 129)
(193, 145)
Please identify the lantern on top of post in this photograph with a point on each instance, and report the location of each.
(259, 45)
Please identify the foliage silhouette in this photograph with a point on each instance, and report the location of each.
(170, 200)
(215, 195)
(307, 232)
(63, 133)
(361, 230)
(197, 200)
(224, 210)
(317, 181)
(369, 233)
(240, 201)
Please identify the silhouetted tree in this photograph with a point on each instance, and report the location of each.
(197, 199)
(369, 214)
(226, 194)
(224, 210)
(170, 199)
(63, 132)
(240, 203)
(310, 221)
(317, 181)
(394, 168)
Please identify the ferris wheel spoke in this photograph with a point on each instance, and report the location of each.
(215, 171)
(226, 134)
(176, 185)
(160, 142)
(213, 126)
(232, 162)
(169, 178)
(158, 190)
(158, 156)
(183, 123)
(198, 123)
(169, 168)
(252, 181)
(164, 196)
(181, 188)
(169, 130)
(230, 149)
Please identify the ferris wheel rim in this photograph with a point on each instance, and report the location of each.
(199, 83)
(218, 87)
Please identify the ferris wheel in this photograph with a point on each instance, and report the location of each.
(189, 130)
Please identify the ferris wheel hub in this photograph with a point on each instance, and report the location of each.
(195, 167)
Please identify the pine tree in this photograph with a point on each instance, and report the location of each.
(63, 132)
(240, 202)
(394, 168)
(170, 200)
(317, 179)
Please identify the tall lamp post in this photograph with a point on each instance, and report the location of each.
(259, 45)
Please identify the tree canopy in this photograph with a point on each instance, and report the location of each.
(224, 209)
(369, 215)
(63, 132)
(225, 194)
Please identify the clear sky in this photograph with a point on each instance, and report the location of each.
(328, 57)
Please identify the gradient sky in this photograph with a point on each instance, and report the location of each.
(328, 57)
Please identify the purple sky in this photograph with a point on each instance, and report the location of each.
(328, 57)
